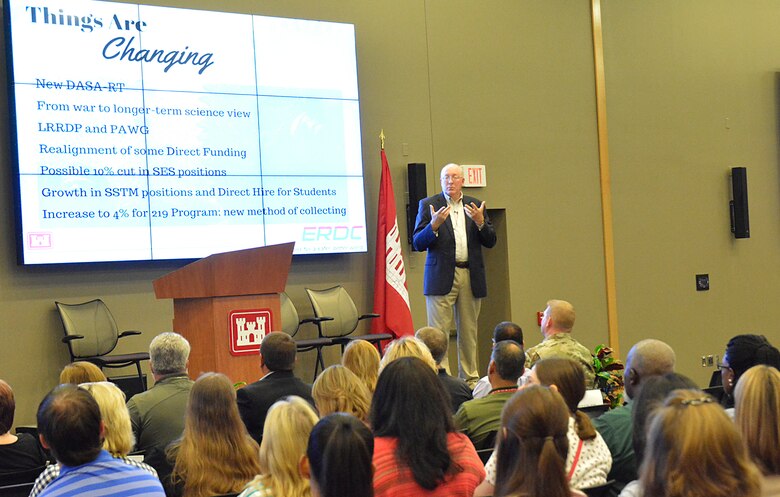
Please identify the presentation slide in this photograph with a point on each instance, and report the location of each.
(152, 133)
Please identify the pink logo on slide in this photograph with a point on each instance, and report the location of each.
(247, 330)
(39, 240)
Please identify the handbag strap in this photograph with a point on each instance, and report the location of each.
(576, 459)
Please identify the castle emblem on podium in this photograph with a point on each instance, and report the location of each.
(247, 330)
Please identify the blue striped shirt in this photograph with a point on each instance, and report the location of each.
(104, 476)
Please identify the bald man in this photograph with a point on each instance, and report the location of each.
(453, 228)
(556, 328)
(646, 359)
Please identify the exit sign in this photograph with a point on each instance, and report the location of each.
(474, 175)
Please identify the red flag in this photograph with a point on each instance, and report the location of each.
(391, 298)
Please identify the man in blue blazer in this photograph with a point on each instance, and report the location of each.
(453, 228)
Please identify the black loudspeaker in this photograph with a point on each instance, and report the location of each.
(418, 190)
(740, 219)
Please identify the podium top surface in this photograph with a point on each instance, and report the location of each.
(254, 271)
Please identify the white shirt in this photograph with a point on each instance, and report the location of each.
(458, 218)
(592, 467)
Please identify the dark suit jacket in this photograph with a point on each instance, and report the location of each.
(255, 399)
(440, 262)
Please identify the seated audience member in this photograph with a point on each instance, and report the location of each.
(646, 359)
(532, 446)
(69, 425)
(757, 413)
(556, 328)
(417, 449)
(654, 390)
(339, 458)
(17, 452)
(215, 455)
(337, 389)
(117, 433)
(407, 346)
(693, 449)
(81, 372)
(479, 419)
(362, 358)
(287, 428)
(505, 330)
(157, 415)
(742, 353)
(589, 459)
(277, 360)
(437, 341)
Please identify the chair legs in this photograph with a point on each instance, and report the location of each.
(141, 382)
(319, 364)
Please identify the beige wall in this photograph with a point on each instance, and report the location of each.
(691, 93)
(509, 83)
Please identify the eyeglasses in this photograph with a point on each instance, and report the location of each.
(454, 177)
(722, 366)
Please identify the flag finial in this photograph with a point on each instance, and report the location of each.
(382, 139)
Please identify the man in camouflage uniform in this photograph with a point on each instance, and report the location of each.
(557, 323)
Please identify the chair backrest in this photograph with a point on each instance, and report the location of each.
(92, 320)
(599, 490)
(336, 303)
(595, 411)
(20, 477)
(484, 454)
(18, 490)
(290, 317)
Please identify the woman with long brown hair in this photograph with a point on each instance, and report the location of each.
(694, 450)
(589, 460)
(215, 454)
(532, 445)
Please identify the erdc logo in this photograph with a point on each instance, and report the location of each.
(332, 233)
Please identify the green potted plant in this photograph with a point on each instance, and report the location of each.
(609, 375)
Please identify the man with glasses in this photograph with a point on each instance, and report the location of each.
(453, 228)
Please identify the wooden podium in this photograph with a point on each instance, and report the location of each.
(209, 292)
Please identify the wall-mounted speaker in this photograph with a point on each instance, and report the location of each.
(418, 190)
(740, 219)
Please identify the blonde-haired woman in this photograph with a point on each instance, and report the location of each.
(81, 372)
(285, 438)
(362, 358)
(757, 413)
(118, 432)
(337, 389)
(215, 454)
(695, 450)
(407, 346)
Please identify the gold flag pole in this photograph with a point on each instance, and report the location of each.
(382, 138)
